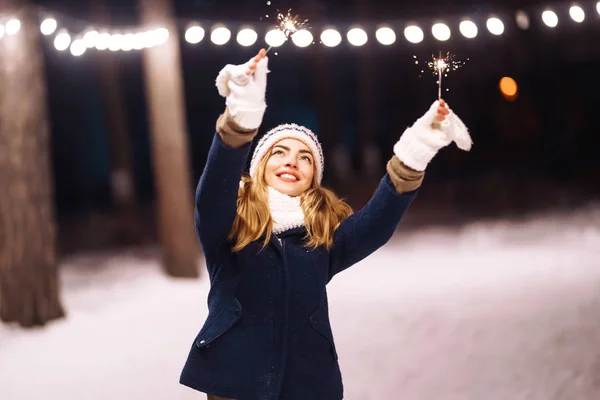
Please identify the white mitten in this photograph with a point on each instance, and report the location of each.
(245, 94)
(420, 143)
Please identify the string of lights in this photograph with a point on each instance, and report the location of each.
(79, 36)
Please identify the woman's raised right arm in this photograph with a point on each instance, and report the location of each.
(216, 194)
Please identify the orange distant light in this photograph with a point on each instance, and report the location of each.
(509, 87)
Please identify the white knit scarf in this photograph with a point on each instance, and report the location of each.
(285, 211)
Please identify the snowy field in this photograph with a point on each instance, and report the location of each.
(490, 311)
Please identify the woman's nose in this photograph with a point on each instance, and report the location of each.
(290, 162)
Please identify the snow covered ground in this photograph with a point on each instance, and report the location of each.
(489, 311)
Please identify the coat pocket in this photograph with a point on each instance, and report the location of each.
(319, 320)
(221, 323)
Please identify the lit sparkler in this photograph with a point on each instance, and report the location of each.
(442, 65)
(289, 24)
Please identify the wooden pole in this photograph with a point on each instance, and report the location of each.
(29, 285)
(170, 144)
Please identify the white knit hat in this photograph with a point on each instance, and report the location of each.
(289, 131)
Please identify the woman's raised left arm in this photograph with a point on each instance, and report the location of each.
(370, 228)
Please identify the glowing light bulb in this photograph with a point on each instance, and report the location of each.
(302, 38)
(78, 47)
(509, 88)
(441, 32)
(91, 38)
(161, 35)
(220, 36)
(194, 34)
(62, 41)
(468, 29)
(550, 18)
(522, 20)
(495, 26)
(115, 42)
(12, 27)
(577, 14)
(127, 42)
(275, 38)
(139, 41)
(103, 41)
(247, 37)
(386, 36)
(414, 34)
(331, 37)
(357, 37)
(48, 26)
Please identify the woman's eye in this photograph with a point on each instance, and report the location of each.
(278, 152)
(306, 158)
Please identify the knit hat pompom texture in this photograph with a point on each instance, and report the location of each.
(289, 131)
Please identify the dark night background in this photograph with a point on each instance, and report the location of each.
(530, 155)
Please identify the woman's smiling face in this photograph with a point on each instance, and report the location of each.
(290, 167)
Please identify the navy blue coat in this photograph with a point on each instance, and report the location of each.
(267, 335)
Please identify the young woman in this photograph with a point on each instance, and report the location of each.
(273, 239)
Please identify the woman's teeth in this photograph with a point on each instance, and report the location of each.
(288, 176)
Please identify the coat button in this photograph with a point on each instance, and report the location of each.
(236, 311)
(202, 341)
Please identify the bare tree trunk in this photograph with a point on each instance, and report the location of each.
(29, 287)
(327, 115)
(370, 157)
(169, 144)
(128, 218)
(339, 163)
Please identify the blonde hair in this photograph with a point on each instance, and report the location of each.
(323, 210)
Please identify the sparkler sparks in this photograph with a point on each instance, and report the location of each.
(289, 24)
(444, 63)
(441, 65)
